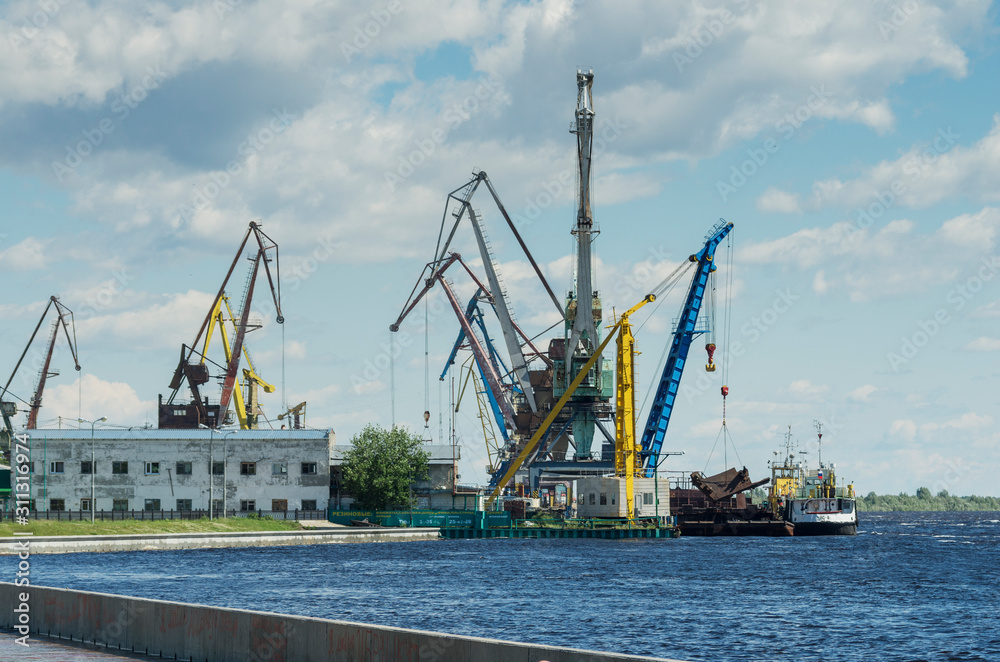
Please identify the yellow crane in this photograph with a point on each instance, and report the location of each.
(626, 450)
(627, 460)
(297, 414)
(247, 407)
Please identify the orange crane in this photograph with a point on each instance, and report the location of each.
(60, 322)
(195, 372)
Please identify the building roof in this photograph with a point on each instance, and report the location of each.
(154, 434)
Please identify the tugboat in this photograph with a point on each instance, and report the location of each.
(810, 498)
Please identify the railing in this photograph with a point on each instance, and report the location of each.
(113, 515)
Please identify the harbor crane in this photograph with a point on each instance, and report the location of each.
(632, 458)
(69, 330)
(673, 368)
(192, 366)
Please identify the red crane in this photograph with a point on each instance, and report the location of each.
(44, 374)
(196, 374)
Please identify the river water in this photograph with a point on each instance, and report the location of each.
(909, 586)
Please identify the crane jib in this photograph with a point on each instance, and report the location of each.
(673, 369)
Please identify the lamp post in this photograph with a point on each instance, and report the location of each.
(211, 467)
(225, 468)
(93, 465)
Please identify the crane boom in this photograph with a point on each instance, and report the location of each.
(666, 392)
(60, 321)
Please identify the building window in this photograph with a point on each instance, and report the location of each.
(309, 504)
(86, 467)
(153, 469)
(218, 468)
(647, 498)
(248, 505)
(308, 468)
(184, 504)
(217, 506)
(57, 504)
(604, 499)
(248, 469)
(56, 467)
(183, 469)
(119, 467)
(85, 504)
(279, 469)
(120, 504)
(613, 496)
(152, 504)
(180, 412)
(592, 499)
(279, 504)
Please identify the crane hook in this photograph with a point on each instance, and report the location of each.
(710, 348)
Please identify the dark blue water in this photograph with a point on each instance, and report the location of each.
(909, 586)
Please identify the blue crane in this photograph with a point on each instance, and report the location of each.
(670, 380)
(473, 313)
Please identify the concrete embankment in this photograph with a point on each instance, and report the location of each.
(132, 543)
(197, 632)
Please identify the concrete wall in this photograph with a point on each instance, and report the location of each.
(161, 541)
(167, 448)
(231, 635)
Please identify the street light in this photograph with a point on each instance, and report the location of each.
(211, 467)
(225, 467)
(93, 465)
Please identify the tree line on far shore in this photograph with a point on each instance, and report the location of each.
(923, 500)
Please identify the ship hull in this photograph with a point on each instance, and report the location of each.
(823, 517)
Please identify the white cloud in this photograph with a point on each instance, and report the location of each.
(905, 429)
(984, 344)
(882, 260)
(937, 169)
(862, 393)
(803, 389)
(116, 400)
(26, 255)
(773, 200)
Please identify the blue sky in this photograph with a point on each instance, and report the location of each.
(865, 252)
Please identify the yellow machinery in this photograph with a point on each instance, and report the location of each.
(627, 463)
(297, 414)
(247, 406)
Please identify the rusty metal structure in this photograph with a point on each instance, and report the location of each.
(192, 367)
(69, 330)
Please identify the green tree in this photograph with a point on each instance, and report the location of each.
(380, 466)
(923, 493)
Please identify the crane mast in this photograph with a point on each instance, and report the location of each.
(584, 327)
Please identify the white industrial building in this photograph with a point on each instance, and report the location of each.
(152, 469)
(606, 497)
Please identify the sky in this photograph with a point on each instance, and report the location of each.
(854, 145)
